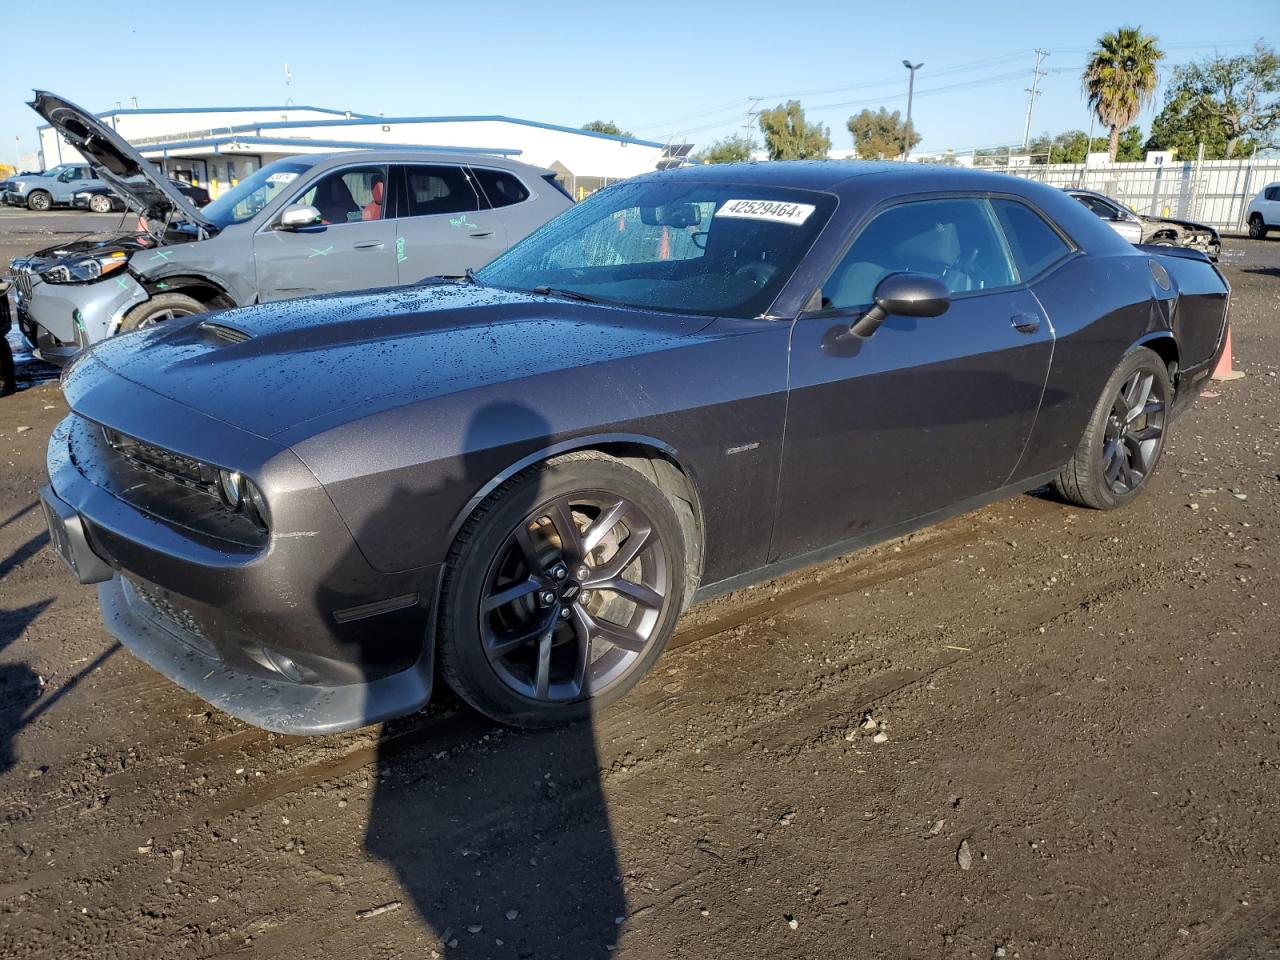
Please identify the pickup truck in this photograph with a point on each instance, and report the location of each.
(56, 187)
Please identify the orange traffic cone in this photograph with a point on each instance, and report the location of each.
(1223, 371)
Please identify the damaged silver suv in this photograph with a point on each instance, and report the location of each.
(319, 223)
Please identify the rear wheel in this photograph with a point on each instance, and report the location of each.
(100, 203)
(39, 200)
(561, 591)
(166, 306)
(1125, 437)
(1257, 227)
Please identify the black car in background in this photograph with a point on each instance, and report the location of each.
(693, 381)
(105, 200)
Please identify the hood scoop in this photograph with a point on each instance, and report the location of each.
(223, 333)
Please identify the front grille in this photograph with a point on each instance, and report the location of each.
(171, 487)
(162, 462)
(22, 277)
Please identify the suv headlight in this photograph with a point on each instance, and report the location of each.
(86, 270)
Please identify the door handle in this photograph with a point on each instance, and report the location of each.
(369, 245)
(1025, 322)
(481, 234)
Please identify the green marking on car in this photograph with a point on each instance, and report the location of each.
(162, 255)
(316, 252)
(401, 257)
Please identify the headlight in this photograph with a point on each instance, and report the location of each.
(242, 494)
(87, 270)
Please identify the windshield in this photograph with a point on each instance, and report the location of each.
(243, 201)
(677, 245)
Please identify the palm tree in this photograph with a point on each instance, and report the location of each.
(1120, 78)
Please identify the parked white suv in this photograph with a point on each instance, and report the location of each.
(1264, 211)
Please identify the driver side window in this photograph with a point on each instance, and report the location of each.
(348, 196)
(955, 240)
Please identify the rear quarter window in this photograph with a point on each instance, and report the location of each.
(501, 188)
(1035, 245)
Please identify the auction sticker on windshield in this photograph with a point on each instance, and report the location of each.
(774, 211)
(286, 176)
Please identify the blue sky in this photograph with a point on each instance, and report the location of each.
(661, 69)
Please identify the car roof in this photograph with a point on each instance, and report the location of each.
(850, 176)
(410, 155)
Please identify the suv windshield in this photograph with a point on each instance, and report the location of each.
(682, 246)
(245, 199)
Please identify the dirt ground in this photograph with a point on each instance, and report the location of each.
(1082, 759)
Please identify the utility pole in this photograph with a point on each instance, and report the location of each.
(911, 89)
(753, 111)
(1033, 91)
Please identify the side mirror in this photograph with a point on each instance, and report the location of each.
(903, 295)
(298, 215)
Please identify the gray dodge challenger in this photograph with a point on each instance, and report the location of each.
(693, 381)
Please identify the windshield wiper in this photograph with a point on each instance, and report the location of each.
(470, 277)
(567, 294)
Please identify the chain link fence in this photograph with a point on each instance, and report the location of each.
(1215, 192)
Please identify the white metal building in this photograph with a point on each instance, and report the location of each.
(216, 147)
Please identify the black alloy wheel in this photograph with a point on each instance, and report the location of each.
(561, 590)
(1125, 436)
(1134, 435)
(573, 597)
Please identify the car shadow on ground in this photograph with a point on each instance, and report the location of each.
(504, 847)
(19, 684)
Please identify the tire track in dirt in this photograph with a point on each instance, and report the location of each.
(452, 728)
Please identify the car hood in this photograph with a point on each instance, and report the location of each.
(115, 162)
(322, 361)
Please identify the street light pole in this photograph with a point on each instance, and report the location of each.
(911, 88)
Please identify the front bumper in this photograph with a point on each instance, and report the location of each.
(63, 318)
(272, 704)
(296, 634)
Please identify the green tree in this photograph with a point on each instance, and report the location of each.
(606, 126)
(1230, 104)
(735, 149)
(787, 136)
(880, 135)
(1120, 78)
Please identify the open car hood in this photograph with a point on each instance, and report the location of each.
(140, 184)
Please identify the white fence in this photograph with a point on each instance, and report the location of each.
(1215, 192)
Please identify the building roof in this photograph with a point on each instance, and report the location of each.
(221, 141)
(352, 118)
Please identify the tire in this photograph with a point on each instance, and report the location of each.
(100, 203)
(1257, 227)
(512, 633)
(39, 200)
(166, 306)
(1164, 242)
(1120, 449)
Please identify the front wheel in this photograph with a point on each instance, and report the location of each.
(166, 306)
(100, 203)
(561, 591)
(1257, 227)
(1125, 437)
(39, 200)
